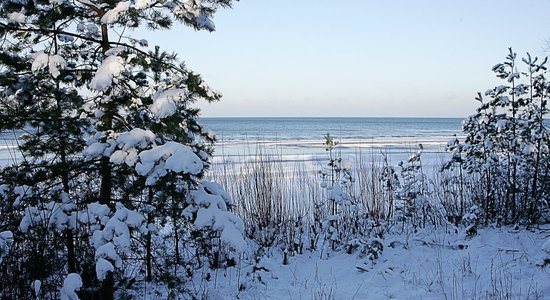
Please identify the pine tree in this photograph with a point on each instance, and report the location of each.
(112, 150)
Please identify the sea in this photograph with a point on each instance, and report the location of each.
(294, 138)
(304, 138)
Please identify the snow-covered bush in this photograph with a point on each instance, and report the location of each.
(390, 190)
(370, 249)
(412, 192)
(507, 142)
(340, 209)
(471, 220)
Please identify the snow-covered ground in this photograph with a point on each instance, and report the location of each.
(497, 263)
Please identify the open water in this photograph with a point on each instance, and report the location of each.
(303, 138)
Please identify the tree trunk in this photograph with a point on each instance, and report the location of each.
(148, 251)
(107, 286)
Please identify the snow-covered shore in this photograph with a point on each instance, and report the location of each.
(497, 263)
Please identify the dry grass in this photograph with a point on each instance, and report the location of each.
(283, 204)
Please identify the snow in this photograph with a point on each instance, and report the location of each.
(65, 38)
(96, 213)
(209, 91)
(112, 15)
(529, 148)
(132, 157)
(496, 264)
(22, 192)
(52, 214)
(233, 237)
(54, 62)
(114, 237)
(215, 188)
(172, 156)
(4, 189)
(203, 21)
(102, 267)
(6, 237)
(108, 251)
(130, 218)
(94, 150)
(16, 17)
(140, 4)
(337, 194)
(164, 102)
(107, 73)
(483, 120)
(92, 28)
(137, 137)
(71, 284)
(501, 125)
(39, 60)
(115, 51)
(208, 132)
(115, 231)
(190, 7)
(213, 214)
(89, 29)
(118, 157)
(546, 246)
(143, 43)
(217, 218)
(36, 285)
(184, 160)
(513, 76)
(347, 164)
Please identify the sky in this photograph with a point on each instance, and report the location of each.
(422, 58)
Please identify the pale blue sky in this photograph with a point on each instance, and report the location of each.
(357, 58)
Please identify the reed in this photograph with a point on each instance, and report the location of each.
(284, 205)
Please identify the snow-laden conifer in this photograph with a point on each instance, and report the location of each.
(112, 153)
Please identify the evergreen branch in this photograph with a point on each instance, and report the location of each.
(89, 39)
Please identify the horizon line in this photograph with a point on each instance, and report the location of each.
(338, 117)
